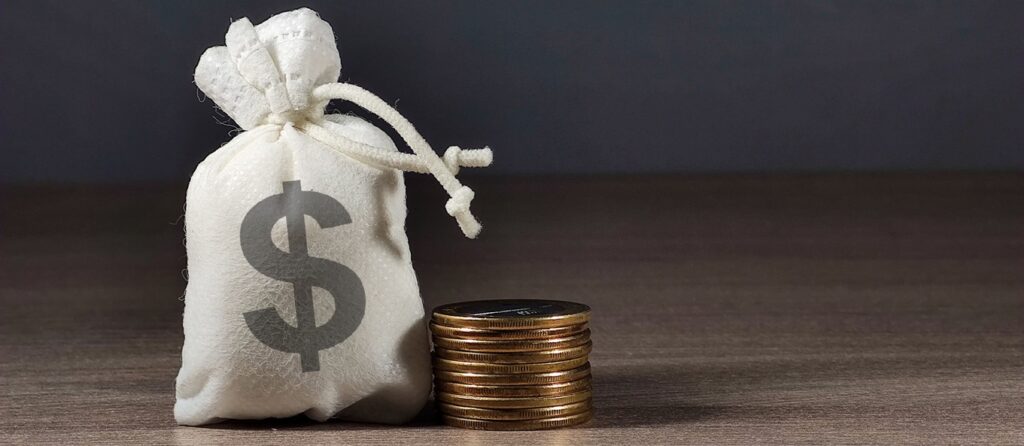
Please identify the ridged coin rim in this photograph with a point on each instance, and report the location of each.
(477, 333)
(503, 346)
(516, 357)
(531, 413)
(514, 379)
(453, 365)
(511, 403)
(524, 391)
(521, 425)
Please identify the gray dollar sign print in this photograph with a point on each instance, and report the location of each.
(304, 272)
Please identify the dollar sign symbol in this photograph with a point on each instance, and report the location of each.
(304, 272)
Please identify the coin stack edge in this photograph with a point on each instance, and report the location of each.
(512, 364)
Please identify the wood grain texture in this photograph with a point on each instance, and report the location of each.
(727, 309)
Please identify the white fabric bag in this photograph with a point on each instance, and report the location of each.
(301, 297)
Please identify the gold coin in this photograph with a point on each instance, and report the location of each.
(441, 364)
(513, 414)
(514, 391)
(487, 402)
(476, 333)
(560, 354)
(520, 425)
(520, 345)
(514, 379)
(512, 314)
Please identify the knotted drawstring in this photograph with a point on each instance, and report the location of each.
(423, 159)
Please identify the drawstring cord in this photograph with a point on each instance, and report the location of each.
(422, 160)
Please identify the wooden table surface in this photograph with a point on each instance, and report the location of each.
(813, 309)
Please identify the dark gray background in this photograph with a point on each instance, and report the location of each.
(102, 91)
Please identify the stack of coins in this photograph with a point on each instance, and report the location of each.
(512, 364)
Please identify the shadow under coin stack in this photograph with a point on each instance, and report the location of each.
(512, 364)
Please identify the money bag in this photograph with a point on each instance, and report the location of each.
(301, 296)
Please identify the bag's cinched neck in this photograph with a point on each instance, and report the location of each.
(265, 73)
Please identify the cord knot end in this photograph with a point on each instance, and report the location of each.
(456, 157)
(458, 207)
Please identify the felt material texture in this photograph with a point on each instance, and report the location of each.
(381, 371)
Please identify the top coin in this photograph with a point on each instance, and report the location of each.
(512, 314)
